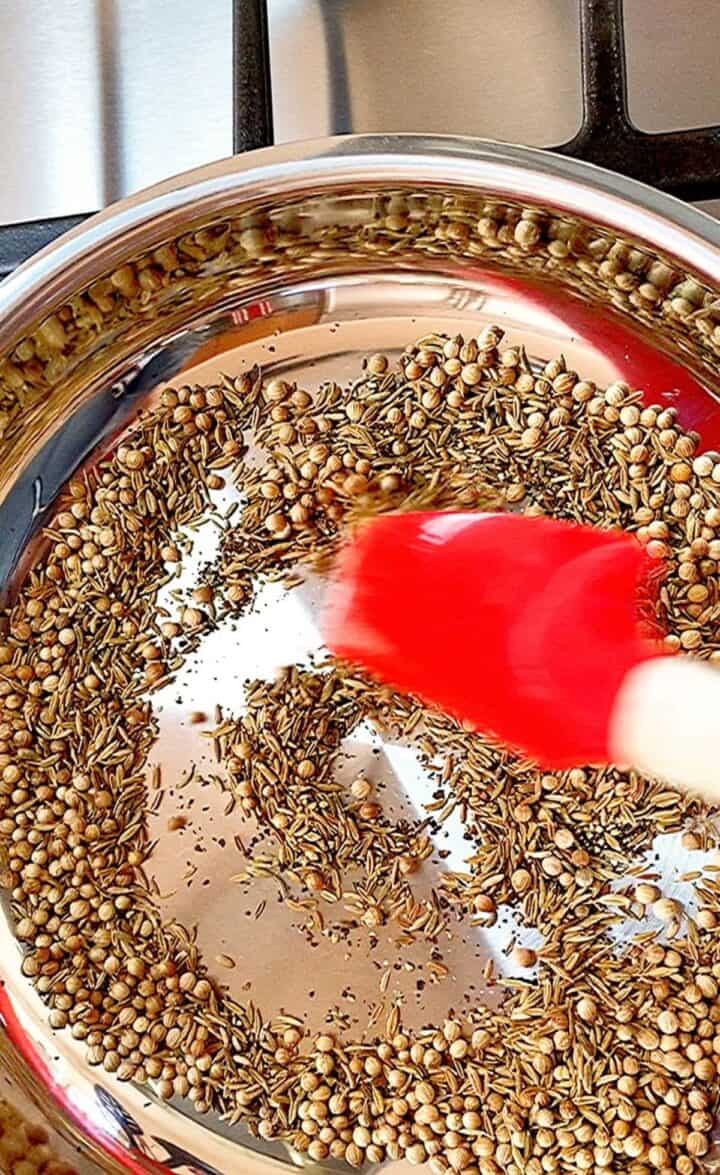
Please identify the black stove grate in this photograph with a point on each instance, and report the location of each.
(684, 163)
(252, 108)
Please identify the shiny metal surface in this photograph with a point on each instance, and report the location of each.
(327, 281)
(455, 68)
(26, 1094)
(102, 97)
(672, 61)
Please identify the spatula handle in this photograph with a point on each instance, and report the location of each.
(666, 722)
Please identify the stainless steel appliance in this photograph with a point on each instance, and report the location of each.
(103, 97)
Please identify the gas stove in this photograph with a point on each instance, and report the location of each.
(102, 97)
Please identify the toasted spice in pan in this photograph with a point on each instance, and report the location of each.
(599, 1056)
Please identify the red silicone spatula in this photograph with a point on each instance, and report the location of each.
(527, 628)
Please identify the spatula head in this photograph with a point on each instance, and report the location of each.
(524, 627)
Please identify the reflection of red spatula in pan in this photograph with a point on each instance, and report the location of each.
(528, 628)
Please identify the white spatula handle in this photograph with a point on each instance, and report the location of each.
(666, 723)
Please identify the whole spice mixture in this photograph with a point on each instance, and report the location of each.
(606, 1056)
(25, 1147)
